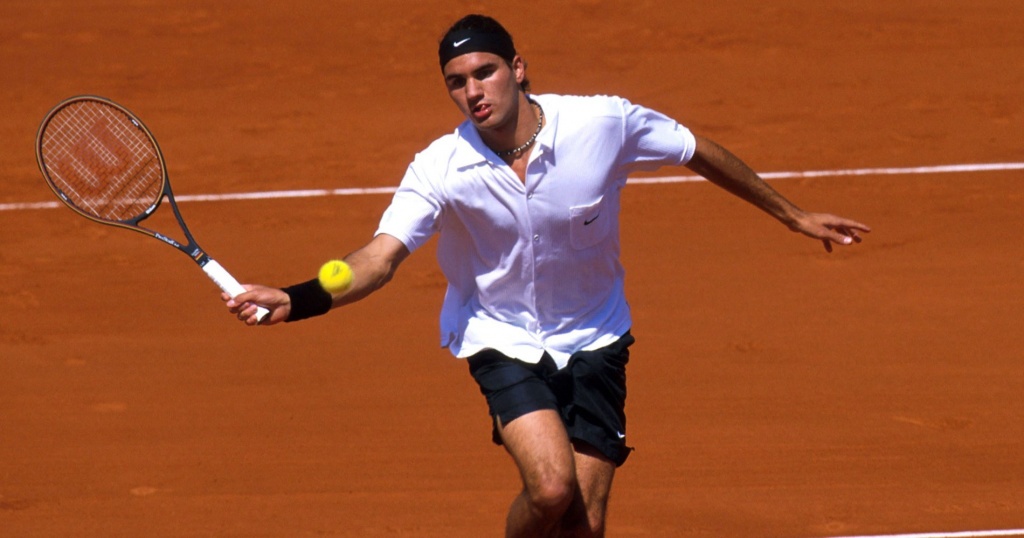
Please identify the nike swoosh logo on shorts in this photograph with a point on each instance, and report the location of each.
(621, 435)
(587, 222)
(460, 43)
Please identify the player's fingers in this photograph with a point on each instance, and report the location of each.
(843, 235)
(246, 312)
(830, 235)
(838, 236)
(232, 300)
(248, 296)
(850, 227)
(854, 225)
(240, 307)
(250, 316)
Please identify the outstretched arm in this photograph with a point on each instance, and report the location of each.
(372, 266)
(724, 169)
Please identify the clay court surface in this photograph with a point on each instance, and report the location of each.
(775, 390)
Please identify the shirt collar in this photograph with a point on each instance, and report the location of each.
(546, 139)
(470, 149)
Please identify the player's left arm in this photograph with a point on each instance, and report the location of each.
(724, 169)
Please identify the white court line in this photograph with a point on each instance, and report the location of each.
(944, 169)
(965, 534)
(316, 193)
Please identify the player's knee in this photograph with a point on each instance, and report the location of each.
(552, 494)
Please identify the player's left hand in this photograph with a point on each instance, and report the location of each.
(830, 229)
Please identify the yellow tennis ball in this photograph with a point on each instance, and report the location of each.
(335, 276)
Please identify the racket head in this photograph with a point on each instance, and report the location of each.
(101, 161)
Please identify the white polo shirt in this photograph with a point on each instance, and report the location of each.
(534, 266)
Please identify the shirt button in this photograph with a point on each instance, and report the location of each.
(529, 196)
(536, 239)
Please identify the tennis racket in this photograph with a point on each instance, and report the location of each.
(104, 164)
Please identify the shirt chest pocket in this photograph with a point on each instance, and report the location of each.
(589, 224)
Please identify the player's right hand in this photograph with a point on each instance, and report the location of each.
(244, 305)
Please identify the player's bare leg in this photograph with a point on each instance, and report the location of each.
(594, 474)
(541, 450)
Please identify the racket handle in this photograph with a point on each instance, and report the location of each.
(226, 282)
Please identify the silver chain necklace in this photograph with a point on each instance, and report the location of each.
(528, 143)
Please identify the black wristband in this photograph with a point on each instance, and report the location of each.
(308, 299)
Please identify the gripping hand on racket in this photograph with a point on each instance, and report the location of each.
(246, 304)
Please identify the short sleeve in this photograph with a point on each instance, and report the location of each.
(415, 211)
(652, 140)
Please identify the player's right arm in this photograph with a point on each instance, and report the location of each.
(372, 267)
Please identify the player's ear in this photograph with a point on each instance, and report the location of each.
(519, 68)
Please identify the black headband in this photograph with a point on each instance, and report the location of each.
(469, 40)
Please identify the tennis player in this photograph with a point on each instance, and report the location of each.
(525, 198)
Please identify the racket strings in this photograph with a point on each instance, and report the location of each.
(102, 161)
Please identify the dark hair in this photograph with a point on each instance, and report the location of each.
(481, 24)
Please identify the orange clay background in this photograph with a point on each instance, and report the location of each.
(775, 390)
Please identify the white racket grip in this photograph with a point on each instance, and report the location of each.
(226, 282)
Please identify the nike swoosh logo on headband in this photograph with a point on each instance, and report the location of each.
(460, 43)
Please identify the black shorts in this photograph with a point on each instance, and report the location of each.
(589, 393)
